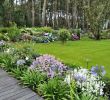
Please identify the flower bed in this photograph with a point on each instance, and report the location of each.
(51, 78)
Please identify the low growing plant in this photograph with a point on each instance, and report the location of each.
(13, 33)
(7, 61)
(54, 89)
(32, 79)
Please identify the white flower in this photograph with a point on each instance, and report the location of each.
(27, 58)
(68, 79)
(101, 92)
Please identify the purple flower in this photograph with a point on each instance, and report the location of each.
(103, 70)
(50, 73)
(80, 77)
(48, 64)
(20, 62)
(95, 70)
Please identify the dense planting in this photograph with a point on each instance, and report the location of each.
(51, 78)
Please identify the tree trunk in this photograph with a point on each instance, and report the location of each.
(67, 14)
(33, 14)
(44, 13)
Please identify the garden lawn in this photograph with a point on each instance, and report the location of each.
(76, 52)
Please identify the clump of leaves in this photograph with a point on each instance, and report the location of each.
(64, 35)
(17, 72)
(7, 61)
(13, 33)
(32, 79)
(54, 89)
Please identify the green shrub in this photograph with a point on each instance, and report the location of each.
(47, 29)
(17, 72)
(64, 35)
(54, 89)
(13, 33)
(3, 30)
(105, 34)
(85, 96)
(4, 37)
(7, 61)
(44, 29)
(32, 79)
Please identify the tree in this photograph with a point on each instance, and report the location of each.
(96, 11)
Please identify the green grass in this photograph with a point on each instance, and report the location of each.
(77, 52)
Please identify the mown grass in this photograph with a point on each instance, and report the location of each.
(77, 52)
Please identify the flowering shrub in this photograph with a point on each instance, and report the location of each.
(47, 63)
(75, 37)
(86, 81)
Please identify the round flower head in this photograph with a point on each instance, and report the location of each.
(79, 77)
(20, 62)
(2, 43)
(95, 70)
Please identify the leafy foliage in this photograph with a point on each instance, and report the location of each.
(32, 79)
(54, 89)
(64, 35)
(13, 33)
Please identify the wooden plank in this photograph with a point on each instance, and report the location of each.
(7, 81)
(14, 89)
(35, 98)
(8, 95)
(25, 92)
(26, 96)
(5, 87)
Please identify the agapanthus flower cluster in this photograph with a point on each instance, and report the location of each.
(50, 65)
(86, 81)
(96, 70)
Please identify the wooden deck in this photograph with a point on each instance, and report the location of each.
(11, 90)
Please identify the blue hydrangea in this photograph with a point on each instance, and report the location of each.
(20, 62)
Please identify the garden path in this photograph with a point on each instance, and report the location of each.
(11, 90)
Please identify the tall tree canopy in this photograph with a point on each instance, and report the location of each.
(84, 14)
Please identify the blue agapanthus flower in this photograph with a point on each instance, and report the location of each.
(80, 77)
(96, 70)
